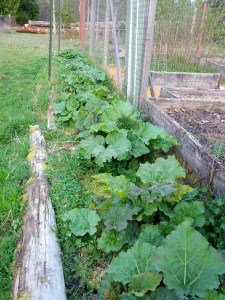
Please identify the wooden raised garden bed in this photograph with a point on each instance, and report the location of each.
(194, 122)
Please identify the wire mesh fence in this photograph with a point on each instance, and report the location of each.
(181, 29)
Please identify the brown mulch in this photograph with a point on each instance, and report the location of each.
(208, 126)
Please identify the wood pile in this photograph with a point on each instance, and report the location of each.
(32, 29)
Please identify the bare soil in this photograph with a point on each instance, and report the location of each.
(208, 126)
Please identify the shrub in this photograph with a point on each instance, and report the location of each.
(28, 9)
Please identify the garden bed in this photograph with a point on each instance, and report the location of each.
(205, 165)
(208, 126)
(121, 198)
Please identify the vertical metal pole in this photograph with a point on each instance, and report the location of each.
(50, 40)
(106, 41)
(60, 26)
(92, 32)
(118, 65)
(82, 24)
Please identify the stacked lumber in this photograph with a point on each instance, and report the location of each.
(32, 29)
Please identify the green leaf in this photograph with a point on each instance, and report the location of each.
(138, 147)
(213, 295)
(91, 146)
(119, 145)
(118, 215)
(185, 210)
(147, 209)
(150, 234)
(164, 294)
(147, 131)
(189, 264)
(115, 185)
(136, 260)
(59, 107)
(82, 221)
(162, 171)
(111, 241)
(144, 282)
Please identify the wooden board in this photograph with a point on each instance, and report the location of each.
(205, 165)
(38, 273)
(186, 80)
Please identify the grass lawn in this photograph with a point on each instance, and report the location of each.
(24, 91)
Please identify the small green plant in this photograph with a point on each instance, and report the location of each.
(219, 150)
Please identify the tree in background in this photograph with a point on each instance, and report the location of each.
(216, 20)
(9, 7)
(28, 10)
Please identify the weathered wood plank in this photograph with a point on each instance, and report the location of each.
(206, 166)
(193, 80)
(38, 269)
(190, 103)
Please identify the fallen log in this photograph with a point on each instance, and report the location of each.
(38, 271)
(32, 30)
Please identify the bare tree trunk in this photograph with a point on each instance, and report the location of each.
(116, 48)
(194, 21)
(201, 28)
(92, 33)
(106, 41)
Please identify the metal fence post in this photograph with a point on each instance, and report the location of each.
(50, 40)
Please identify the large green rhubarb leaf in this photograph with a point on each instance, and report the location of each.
(119, 145)
(82, 221)
(162, 171)
(164, 294)
(189, 264)
(135, 261)
(111, 241)
(147, 131)
(150, 234)
(144, 282)
(114, 240)
(118, 215)
(194, 210)
(91, 147)
(114, 185)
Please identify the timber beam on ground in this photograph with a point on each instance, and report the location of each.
(38, 272)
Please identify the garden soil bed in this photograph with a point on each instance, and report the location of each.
(208, 126)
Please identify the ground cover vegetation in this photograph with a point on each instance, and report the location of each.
(23, 101)
(129, 226)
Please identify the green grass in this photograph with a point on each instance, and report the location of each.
(23, 101)
(182, 64)
(80, 258)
